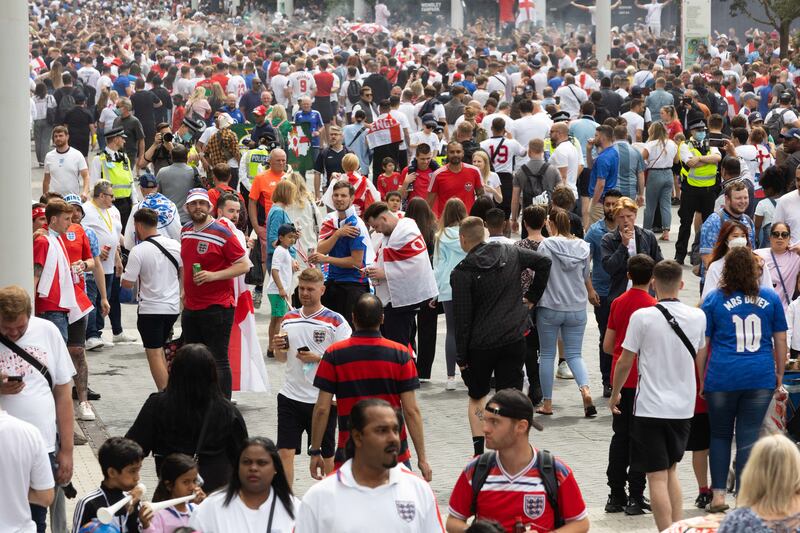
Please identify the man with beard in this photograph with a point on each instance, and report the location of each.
(454, 180)
(216, 257)
(600, 278)
(362, 496)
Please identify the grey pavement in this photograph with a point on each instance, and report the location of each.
(121, 375)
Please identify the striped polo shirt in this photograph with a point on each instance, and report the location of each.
(366, 366)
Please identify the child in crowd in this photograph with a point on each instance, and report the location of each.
(772, 183)
(390, 179)
(120, 460)
(280, 278)
(178, 478)
(395, 202)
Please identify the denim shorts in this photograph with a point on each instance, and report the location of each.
(60, 319)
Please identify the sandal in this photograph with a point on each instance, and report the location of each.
(543, 412)
(590, 411)
(717, 508)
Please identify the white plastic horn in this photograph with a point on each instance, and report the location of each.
(157, 506)
(106, 514)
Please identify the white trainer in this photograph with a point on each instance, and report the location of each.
(85, 412)
(124, 337)
(93, 343)
(451, 384)
(563, 371)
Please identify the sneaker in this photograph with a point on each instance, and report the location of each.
(93, 343)
(607, 391)
(563, 371)
(257, 295)
(78, 439)
(85, 412)
(124, 337)
(451, 384)
(636, 506)
(616, 504)
(703, 500)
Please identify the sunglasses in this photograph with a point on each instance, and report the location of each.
(780, 234)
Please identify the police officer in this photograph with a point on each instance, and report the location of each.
(254, 161)
(114, 166)
(698, 184)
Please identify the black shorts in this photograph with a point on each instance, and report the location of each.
(323, 105)
(583, 182)
(699, 433)
(76, 333)
(505, 362)
(155, 329)
(657, 443)
(294, 419)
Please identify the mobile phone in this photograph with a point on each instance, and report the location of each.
(18, 379)
(303, 349)
(716, 143)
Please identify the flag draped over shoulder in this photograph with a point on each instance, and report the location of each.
(332, 223)
(366, 194)
(384, 131)
(248, 371)
(408, 269)
(56, 264)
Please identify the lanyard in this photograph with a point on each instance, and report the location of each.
(105, 216)
(272, 510)
(780, 277)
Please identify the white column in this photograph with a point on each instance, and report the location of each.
(16, 258)
(288, 6)
(359, 10)
(603, 31)
(456, 14)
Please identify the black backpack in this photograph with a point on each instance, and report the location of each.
(353, 91)
(776, 123)
(65, 105)
(428, 107)
(545, 463)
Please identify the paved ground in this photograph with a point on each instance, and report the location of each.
(121, 375)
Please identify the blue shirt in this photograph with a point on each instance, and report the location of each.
(740, 329)
(583, 129)
(709, 232)
(314, 121)
(555, 83)
(605, 166)
(763, 104)
(235, 114)
(121, 84)
(343, 248)
(277, 216)
(600, 278)
(630, 165)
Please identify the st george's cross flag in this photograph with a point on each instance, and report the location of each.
(384, 131)
(405, 261)
(526, 12)
(248, 372)
(57, 268)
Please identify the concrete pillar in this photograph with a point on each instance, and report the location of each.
(288, 6)
(360, 10)
(16, 258)
(456, 14)
(603, 31)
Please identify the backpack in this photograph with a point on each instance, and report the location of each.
(720, 106)
(428, 107)
(775, 123)
(353, 91)
(545, 463)
(52, 110)
(66, 105)
(532, 190)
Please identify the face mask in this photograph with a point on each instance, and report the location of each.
(117, 111)
(700, 136)
(186, 136)
(737, 242)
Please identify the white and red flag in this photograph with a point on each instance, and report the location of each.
(409, 274)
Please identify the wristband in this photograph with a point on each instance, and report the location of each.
(314, 452)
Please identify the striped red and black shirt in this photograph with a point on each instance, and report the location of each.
(366, 366)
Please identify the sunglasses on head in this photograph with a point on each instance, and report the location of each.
(780, 234)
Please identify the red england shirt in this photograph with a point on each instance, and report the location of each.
(50, 302)
(215, 248)
(618, 318)
(77, 246)
(448, 184)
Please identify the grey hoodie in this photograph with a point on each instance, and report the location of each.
(566, 289)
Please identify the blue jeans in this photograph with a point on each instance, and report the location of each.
(60, 319)
(746, 410)
(92, 328)
(658, 192)
(571, 325)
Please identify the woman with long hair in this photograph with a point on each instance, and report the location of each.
(491, 181)
(305, 216)
(770, 496)
(561, 311)
(197, 105)
(257, 499)
(670, 120)
(420, 212)
(782, 263)
(746, 334)
(172, 421)
(659, 155)
(447, 253)
(732, 234)
(41, 102)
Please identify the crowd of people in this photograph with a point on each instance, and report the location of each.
(495, 179)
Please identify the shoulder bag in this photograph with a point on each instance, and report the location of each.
(677, 329)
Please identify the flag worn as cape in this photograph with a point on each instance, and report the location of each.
(332, 223)
(409, 274)
(57, 264)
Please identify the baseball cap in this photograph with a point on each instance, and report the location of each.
(119, 131)
(284, 229)
(792, 133)
(197, 194)
(750, 96)
(260, 111)
(755, 116)
(428, 117)
(560, 116)
(147, 181)
(536, 63)
(786, 98)
(73, 199)
(224, 120)
(512, 403)
(430, 123)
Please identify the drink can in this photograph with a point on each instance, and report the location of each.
(196, 268)
(76, 275)
(285, 335)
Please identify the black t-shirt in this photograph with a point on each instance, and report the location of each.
(143, 107)
(330, 161)
(160, 113)
(77, 122)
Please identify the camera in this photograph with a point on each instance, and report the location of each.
(686, 101)
(167, 137)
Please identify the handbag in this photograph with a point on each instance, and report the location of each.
(171, 348)
(28, 358)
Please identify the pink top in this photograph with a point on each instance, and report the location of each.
(789, 265)
(169, 519)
